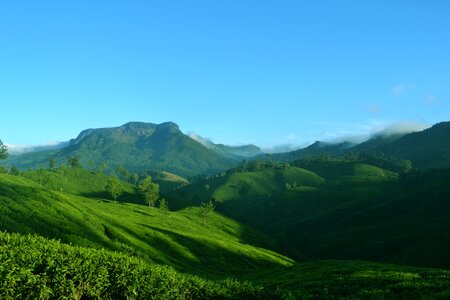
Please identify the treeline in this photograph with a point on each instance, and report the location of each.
(368, 157)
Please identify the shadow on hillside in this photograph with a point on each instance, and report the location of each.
(126, 197)
(213, 258)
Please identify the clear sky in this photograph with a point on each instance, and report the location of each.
(265, 72)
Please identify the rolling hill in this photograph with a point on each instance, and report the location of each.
(337, 210)
(188, 240)
(114, 250)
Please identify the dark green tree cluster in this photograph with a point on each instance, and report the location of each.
(3, 150)
(149, 190)
(114, 188)
(74, 161)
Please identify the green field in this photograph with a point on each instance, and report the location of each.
(263, 240)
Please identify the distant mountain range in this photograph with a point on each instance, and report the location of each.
(427, 149)
(139, 146)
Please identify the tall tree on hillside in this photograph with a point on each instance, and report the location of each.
(3, 151)
(114, 188)
(135, 178)
(163, 205)
(149, 190)
(74, 161)
(51, 162)
(14, 171)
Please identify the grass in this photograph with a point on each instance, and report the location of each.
(196, 254)
(187, 240)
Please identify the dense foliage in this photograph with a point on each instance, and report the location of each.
(337, 209)
(32, 267)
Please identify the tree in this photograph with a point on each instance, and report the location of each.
(51, 163)
(163, 205)
(149, 190)
(123, 172)
(207, 208)
(14, 171)
(114, 188)
(135, 178)
(3, 151)
(74, 161)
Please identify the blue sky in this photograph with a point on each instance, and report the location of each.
(263, 72)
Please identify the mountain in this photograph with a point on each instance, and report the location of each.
(233, 152)
(138, 147)
(426, 149)
(315, 149)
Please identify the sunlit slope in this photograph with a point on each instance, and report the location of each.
(243, 186)
(189, 240)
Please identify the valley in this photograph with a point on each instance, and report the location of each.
(350, 224)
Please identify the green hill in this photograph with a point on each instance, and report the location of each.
(347, 210)
(243, 185)
(427, 149)
(137, 147)
(194, 253)
(188, 240)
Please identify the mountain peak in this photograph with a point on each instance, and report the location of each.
(170, 126)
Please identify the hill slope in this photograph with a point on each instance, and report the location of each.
(351, 210)
(189, 240)
(427, 149)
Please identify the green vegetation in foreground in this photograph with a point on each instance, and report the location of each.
(188, 240)
(33, 267)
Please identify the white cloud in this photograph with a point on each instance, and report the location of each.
(377, 128)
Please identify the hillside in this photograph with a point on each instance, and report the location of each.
(137, 147)
(316, 208)
(32, 267)
(351, 210)
(189, 240)
(427, 149)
